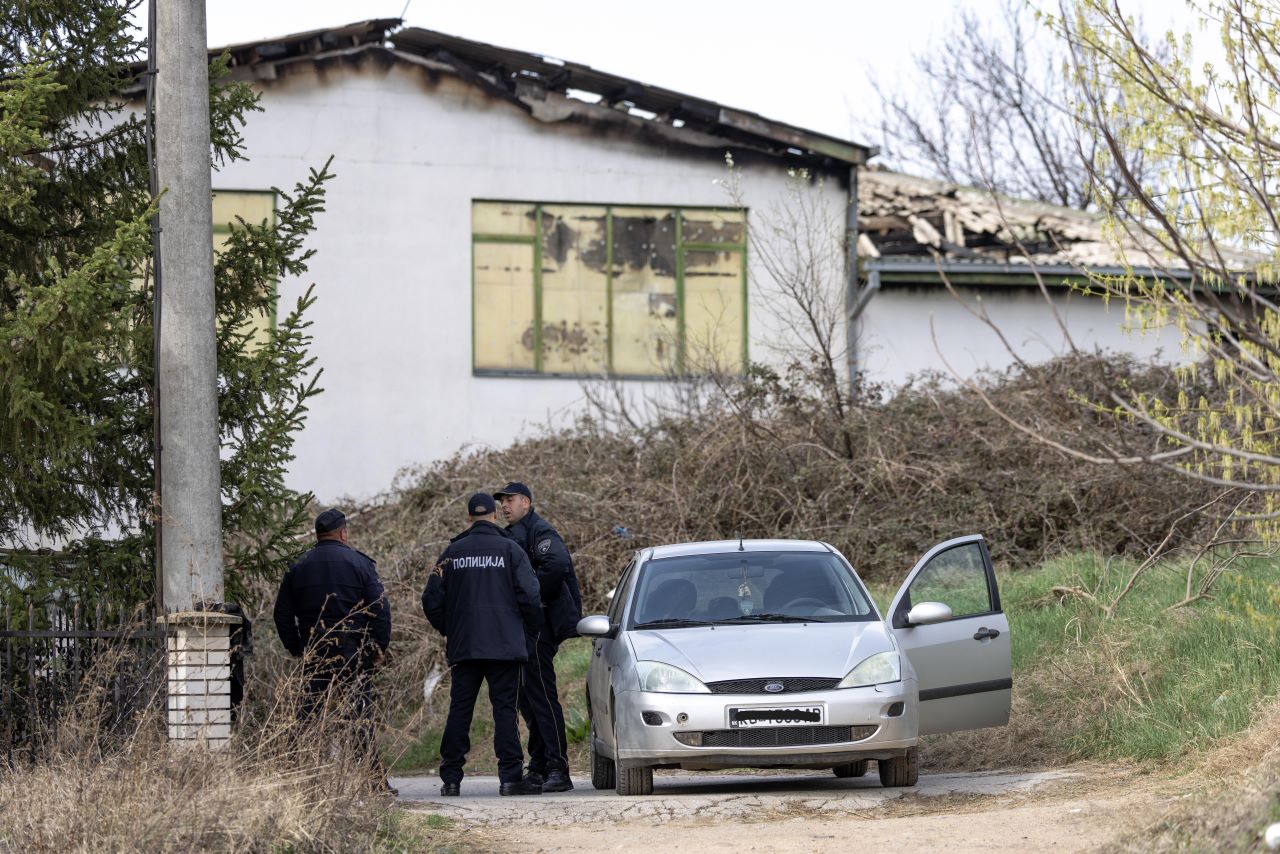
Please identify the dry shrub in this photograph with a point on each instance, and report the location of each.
(274, 787)
(880, 476)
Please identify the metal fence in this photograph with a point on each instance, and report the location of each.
(108, 661)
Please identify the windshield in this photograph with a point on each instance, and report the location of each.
(746, 587)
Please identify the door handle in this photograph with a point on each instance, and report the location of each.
(985, 633)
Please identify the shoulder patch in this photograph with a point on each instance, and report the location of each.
(544, 546)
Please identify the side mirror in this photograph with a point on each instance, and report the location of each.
(928, 613)
(598, 626)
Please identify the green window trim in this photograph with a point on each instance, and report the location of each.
(535, 242)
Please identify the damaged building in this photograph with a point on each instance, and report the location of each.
(938, 261)
(506, 229)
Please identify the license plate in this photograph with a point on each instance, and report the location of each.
(745, 717)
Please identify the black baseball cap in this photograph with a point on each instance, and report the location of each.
(330, 520)
(514, 488)
(481, 504)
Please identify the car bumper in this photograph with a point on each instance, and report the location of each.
(687, 715)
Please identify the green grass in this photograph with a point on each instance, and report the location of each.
(571, 677)
(1147, 683)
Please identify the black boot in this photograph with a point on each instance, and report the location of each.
(532, 776)
(524, 787)
(451, 790)
(557, 781)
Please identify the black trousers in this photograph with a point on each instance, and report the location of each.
(540, 707)
(504, 695)
(341, 686)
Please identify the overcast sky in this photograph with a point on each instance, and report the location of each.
(801, 61)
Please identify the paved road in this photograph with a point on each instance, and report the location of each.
(682, 795)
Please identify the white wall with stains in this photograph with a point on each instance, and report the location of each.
(392, 324)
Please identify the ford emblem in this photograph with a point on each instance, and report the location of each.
(774, 687)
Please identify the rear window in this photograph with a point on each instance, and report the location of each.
(742, 587)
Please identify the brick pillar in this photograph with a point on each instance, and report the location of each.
(199, 677)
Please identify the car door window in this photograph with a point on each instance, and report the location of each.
(620, 594)
(957, 578)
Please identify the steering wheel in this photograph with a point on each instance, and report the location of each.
(804, 601)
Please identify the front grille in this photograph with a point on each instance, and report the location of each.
(783, 736)
(790, 685)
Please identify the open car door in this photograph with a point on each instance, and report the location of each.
(962, 663)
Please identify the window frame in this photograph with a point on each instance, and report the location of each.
(681, 247)
(899, 618)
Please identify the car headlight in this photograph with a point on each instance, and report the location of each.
(881, 667)
(665, 679)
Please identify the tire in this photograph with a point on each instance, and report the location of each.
(636, 780)
(604, 773)
(851, 769)
(900, 771)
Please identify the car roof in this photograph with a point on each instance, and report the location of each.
(724, 546)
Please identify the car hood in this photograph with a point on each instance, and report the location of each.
(763, 650)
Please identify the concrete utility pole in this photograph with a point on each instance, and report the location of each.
(189, 474)
(190, 493)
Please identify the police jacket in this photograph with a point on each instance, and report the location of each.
(333, 595)
(561, 601)
(483, 597)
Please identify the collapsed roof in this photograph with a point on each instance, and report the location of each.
(902, 216)
(553, 90)
(913, 225)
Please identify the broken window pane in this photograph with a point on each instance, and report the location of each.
(575, 290)
(644, 291)
(503, 323)
(231, 209)
(718, 226)
(713, 311)
(511, 219)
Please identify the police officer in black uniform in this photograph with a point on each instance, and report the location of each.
(332, 612)
(483, 597)
(562, 608)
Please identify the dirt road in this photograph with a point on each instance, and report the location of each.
(1070, 810)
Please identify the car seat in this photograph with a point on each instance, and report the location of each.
(802, 582)
(673, 598)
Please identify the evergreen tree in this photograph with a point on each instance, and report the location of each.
(76, 335)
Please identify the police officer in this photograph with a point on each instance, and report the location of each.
(483, 597)
(562, 608)
(333, 613)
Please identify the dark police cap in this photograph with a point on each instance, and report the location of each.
(330, 521)
(514, 488)
(481, 504)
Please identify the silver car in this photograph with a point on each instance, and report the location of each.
(771, 654)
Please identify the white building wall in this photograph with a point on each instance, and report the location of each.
(392, 323)
(900, 324)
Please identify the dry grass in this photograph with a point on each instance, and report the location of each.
(1228, 801)
(274, 788)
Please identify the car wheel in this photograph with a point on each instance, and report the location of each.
(851, 769)
(636, 780)
(901, 770)
(604, 774)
